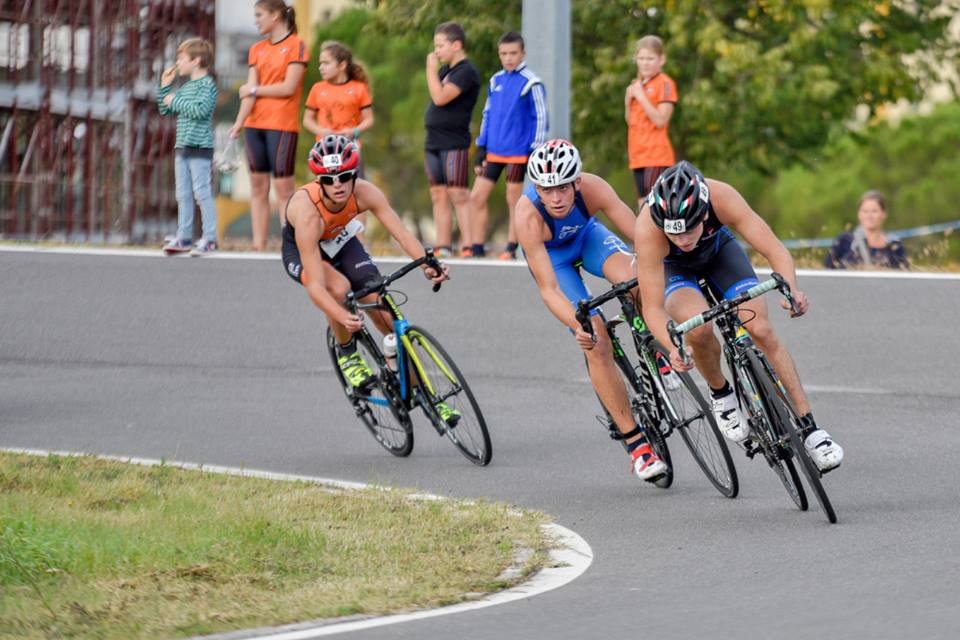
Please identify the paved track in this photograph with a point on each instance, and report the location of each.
(222, 362)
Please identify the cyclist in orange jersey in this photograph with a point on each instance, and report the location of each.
(269, 106)
(320, 249)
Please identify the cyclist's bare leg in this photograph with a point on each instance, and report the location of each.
(607, 381)
(381, 318)
(620, 267)
(337, 286)
(764, 336)
(685, 303)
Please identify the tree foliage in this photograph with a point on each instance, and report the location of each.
(763, 84)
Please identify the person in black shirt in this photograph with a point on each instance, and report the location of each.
(868, 245)
(454, 89)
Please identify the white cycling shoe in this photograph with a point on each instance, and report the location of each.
(824, 452)
(649, 469)
(727, 412)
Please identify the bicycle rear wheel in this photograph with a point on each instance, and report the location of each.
(379, 406)
(764, 427)
(787, 421)
(445, 383)
(687, 411)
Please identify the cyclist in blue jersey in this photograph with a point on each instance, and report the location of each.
(683, 234)
(558, 231)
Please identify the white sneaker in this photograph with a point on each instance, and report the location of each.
(650, 469)
(826, 453)
(727, 412)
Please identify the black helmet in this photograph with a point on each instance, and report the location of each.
(679, 199)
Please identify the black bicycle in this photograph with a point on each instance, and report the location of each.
(661, 402)
(775, 427)
(421, 374)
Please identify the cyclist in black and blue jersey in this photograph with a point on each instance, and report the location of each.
(683, 233)
(558, 231)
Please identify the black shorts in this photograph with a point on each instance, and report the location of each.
(644, 179)
(516, 172)
(447, 168)
(725, 267)
(270, 151)
(352, 260)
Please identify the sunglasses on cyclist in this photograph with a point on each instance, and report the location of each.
(342, 178)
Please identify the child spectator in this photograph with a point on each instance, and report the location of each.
(193, 104)
(514, 123)
(269, 106)
(648, 104)
(340, 104)
(454, 89)
(868, 245)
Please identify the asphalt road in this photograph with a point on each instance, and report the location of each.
(223, 362)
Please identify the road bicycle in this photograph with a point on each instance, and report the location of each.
(775, 428)
(421, 374)
(662, 402)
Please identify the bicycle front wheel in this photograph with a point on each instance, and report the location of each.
(764, 424)
(687, 411)
(379, 406)
(443, 383)
(788, 424)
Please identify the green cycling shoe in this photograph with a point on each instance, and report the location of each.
(448, 414)
(355, 370)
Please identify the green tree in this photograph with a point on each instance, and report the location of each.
(764, 84)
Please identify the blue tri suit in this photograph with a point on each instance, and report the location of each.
(578, 239)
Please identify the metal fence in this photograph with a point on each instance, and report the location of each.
(84, 153)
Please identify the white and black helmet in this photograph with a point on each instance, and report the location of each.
(680, 198)
(554, 163)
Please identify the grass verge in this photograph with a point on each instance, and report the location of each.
(94, 548)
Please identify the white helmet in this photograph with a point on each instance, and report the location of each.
(554, 163)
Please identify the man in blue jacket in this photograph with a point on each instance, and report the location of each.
(514, 123)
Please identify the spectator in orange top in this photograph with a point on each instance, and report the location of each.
(269, 106)
(340, 104)
(648, 104)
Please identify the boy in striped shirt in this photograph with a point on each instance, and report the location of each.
(193, 104)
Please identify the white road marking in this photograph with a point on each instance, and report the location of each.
(569, 560)
(251, 255)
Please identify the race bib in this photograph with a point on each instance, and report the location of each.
(332, 246)
(332, 161)
(675, 226)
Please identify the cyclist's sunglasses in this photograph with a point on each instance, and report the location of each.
(342, 177)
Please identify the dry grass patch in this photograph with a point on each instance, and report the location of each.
(91, 548)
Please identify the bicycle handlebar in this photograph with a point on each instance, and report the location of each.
(383, 282)
(585, 306)
(725, 307)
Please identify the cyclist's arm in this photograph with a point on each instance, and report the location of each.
(309, 228)
(600, 196)
(530, 235)
(370, 198)
(733, 210)
(652, 247)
